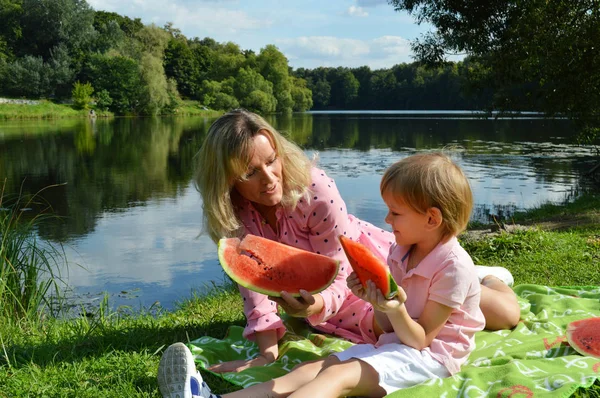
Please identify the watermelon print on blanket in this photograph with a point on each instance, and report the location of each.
(584, 336)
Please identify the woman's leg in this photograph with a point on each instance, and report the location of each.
(499, 304)
(285, 385)
(352, 377)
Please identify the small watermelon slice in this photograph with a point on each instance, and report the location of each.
(270, 267)
(369, 267)
(584, 336)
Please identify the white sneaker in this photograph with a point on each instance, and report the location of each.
(177, 374)
(499, 272)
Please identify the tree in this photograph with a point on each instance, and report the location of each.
(10, 28)
(82, 95)
(182, 65)
(301, 95)
(127, 25)
(120, 77)
(47, 23)
(537, 54)
(273, 65)
(321, 94)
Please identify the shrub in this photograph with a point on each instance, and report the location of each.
(82, 95)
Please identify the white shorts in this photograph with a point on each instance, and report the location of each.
(399, 366)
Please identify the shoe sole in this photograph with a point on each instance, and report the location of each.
(173, 372)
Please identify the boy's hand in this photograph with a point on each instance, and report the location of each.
(374, 296)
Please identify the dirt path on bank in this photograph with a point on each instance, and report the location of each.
(556, 223)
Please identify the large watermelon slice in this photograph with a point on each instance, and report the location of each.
(270, 267)
(584, 336)
(369, 267)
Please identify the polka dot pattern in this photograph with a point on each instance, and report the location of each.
(315, 225)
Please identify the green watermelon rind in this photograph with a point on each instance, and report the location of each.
(223, 244)
(393, 287)
(574, 342)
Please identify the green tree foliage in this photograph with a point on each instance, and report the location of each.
(127, 25)
(103, 100)
(109, 36)
(226, 60)
(174, 100)
(82, 95)
(47, 23)
(154, 90)
(301, 95)
(536, 55)
(183, 65)
(28, 76)
(10, 27)
(254, 92)
(273, 65)
(120, 77)
(31, 77)
(321, 94)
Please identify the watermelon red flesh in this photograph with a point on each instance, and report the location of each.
(279, 267)
(584, 336)
(369, 267)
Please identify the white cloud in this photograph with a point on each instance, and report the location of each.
(357, 12)
(203, 19)
(382, 52)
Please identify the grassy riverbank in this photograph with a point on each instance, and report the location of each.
(50, 110)
(116, 353)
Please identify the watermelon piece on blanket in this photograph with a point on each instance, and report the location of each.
(369, 267)
(270, 267)
(584, 336)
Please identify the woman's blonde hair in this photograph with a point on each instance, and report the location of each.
(224, 157)
(427, 180)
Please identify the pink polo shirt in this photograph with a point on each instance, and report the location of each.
(315, 225)
(447, 276)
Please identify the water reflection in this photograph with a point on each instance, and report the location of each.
(130, 216)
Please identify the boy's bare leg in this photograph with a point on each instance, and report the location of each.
(499, 304)
(352, 377)
(285, 385)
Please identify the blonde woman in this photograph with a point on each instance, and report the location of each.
(253, 180)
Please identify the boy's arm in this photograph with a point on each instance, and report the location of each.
(417, 334)
(421, 333)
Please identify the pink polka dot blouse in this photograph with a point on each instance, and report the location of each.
(315, 225)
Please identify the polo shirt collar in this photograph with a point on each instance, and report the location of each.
(430, 264)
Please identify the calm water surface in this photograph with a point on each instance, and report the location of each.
(130, 216)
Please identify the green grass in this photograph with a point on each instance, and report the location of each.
(50, 110)
(44, 110)
(194, 108)
(116, 353)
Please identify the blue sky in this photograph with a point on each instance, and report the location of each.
(310, 33)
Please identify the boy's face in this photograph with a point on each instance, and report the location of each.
(409, 226)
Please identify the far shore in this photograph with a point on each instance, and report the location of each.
(47, 110)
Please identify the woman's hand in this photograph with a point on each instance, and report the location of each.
(300, 307)
(374, 296)
(240, 364)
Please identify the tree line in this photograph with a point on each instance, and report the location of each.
(63, 49)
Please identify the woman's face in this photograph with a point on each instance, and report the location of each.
(263, 183)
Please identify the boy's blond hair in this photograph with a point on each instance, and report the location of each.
(224, 157)
(427, 180)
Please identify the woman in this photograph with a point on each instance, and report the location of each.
(253, 180)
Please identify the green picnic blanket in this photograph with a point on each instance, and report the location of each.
(533, 359)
